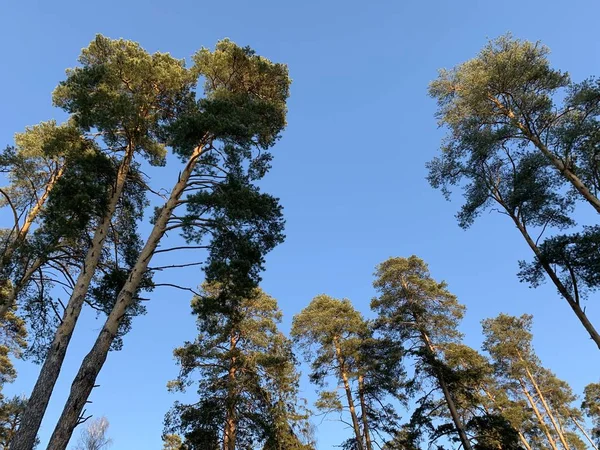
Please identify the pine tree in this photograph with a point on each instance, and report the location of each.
(421, 314)
(508, 341)
(511, 147)
(224, 138)
(248, 380)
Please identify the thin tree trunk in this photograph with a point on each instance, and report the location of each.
(537, 413)
(7, 300)
(229, 432)
(11, 298)
(92, 364)
(585, 433)
(363, 410)
(521, 436)
(573, 303)
(556, 426)
(31, 216)
(449, 400)
(353, 415)
(40, 396)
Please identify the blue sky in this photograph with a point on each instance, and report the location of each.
(349, 169)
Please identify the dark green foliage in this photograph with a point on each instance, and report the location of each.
(247, 374)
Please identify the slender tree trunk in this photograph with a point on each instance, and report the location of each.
(92, 364)
(353, 415)
(363, 411)
(11, 298)
(31, 216)
(537, 413)
(556, 426)
(38, 401)
(521, 436)
(573, 303)
(229, 432)
(585, 433)
(449, 400)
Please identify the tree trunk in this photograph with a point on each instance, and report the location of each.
(449, 400)
(92, 364)
(229, 432)
(574, 304)
(521, 436)
(585, 433)
(31, 216)
(40, 396)
(363, 411)
(7, 299)
(537, 413)
(353, 415)
(556, 426)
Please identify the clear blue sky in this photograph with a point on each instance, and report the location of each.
(349, 169)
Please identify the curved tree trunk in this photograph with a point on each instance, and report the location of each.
(92, 364)
(40, 396)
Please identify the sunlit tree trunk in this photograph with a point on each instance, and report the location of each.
(40, 396)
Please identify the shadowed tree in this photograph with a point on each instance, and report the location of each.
(591, 408)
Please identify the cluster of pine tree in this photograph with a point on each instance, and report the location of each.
(523, 139)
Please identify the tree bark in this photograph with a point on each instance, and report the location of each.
(353, 415)
(92, 364)
(575, 306)
(449, 400)
(537, 413)
(38, 401)
(363, 411)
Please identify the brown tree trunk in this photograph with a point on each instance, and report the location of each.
(7, 293)
(92, 364)
(40, 396)
(32, 215)
(537, 413)
(449, 400)
(353, 415)
(363, 411)
(229, 432)
(573, 303)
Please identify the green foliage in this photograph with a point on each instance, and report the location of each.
(247, 373)
(125, 93)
